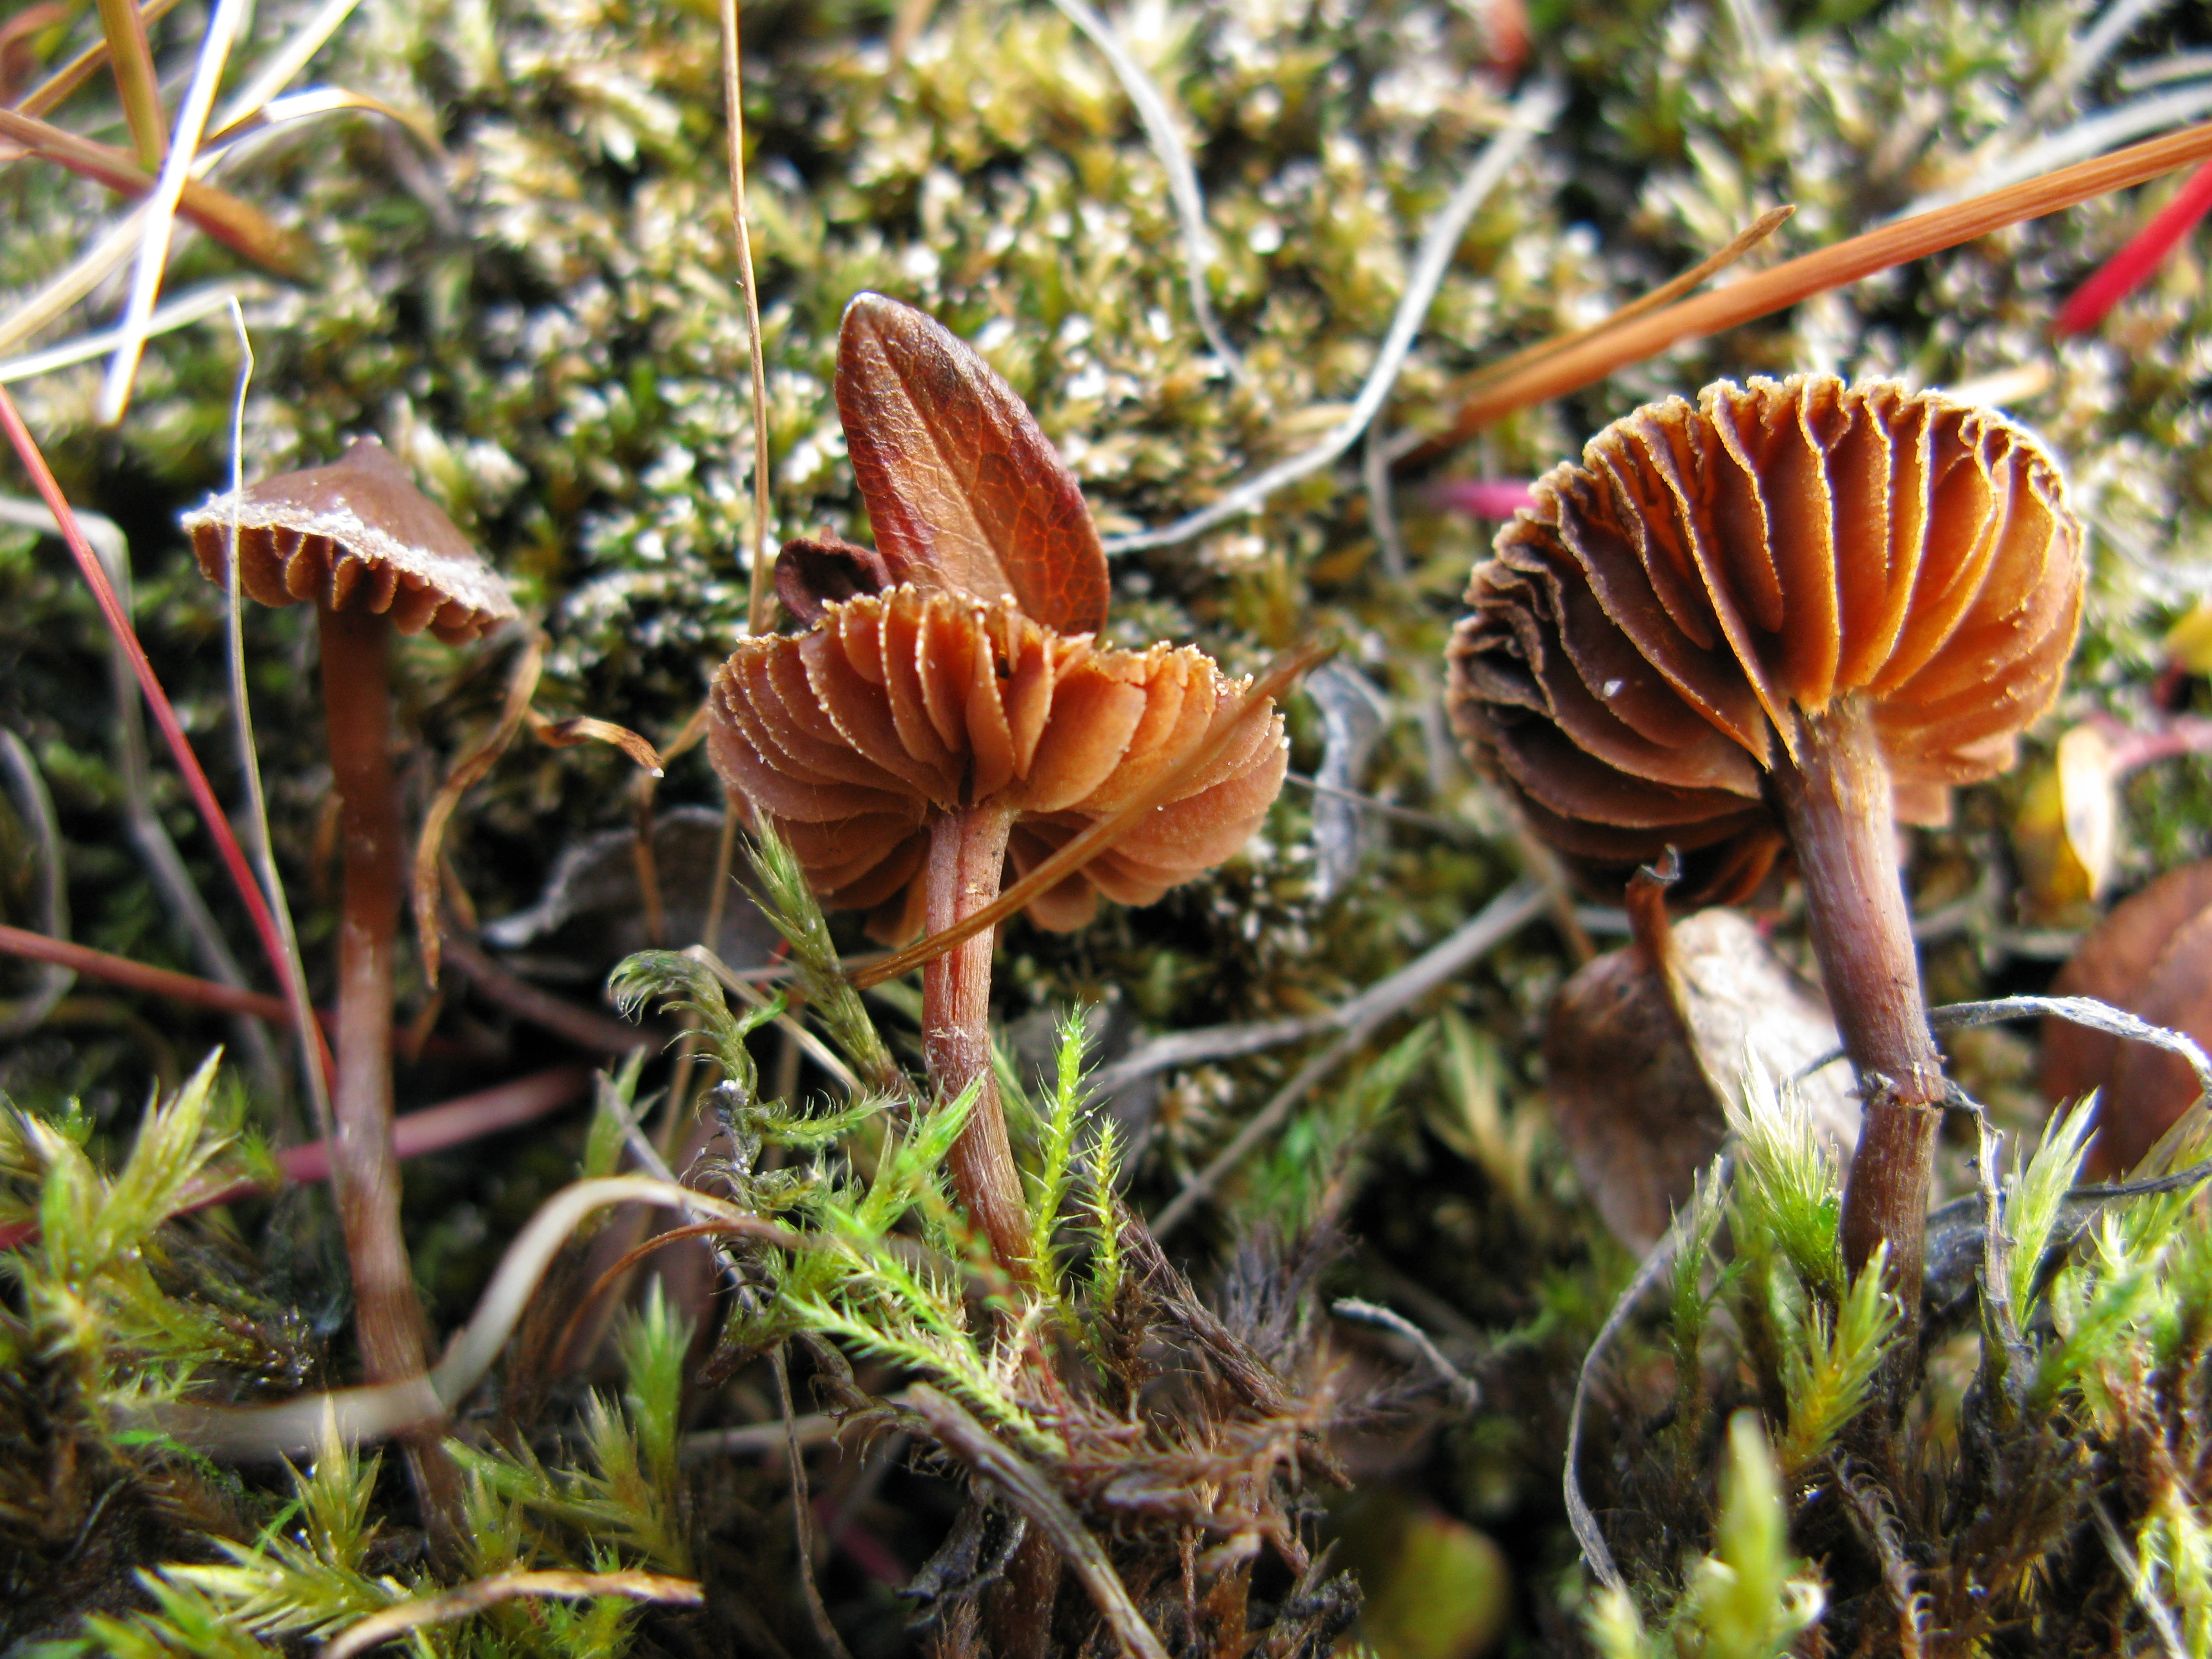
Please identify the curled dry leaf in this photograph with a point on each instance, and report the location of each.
(1645, 1044)
(2153, 957)
(953, 667)
(1645, 643)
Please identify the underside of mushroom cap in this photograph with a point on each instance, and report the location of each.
(1642, 642)
(907, 703)
(354, 535)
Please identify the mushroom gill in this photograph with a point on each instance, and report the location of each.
(1789, 616)
(906, 704)
(1657, 627)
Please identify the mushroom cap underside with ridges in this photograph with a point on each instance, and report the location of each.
(1638, 644)
(355, 534)
(899, 706)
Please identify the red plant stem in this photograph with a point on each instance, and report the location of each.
(1835, 799)
(2128, 270)
(157, 700)
(583, 1027)
(967, 855)
(141, 976)
(388, 1319)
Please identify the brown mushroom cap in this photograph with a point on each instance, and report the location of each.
(355, 534)
(905, 704)
(1637, 643)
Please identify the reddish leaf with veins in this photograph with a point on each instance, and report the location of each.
(963, 489)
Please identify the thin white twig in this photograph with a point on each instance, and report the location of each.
(287, 61)
(2085, 53)
(301, 1427)
(2139, 1583)
(2092, 136)
(2159, 71)
(180, 313)
(1496, 921)
(75, 280)
(1160, 124)
(1533, 111)
(161, 206)
(249, 760)
(1463, 1389)
(1580, 1516)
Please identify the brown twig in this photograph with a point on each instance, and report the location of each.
(802, 1513)
(50, 94)
(1031, 1492)
(1785, 284)
(1358, 1020)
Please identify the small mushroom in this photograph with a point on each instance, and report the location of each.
(1789, 616)
(358, 539)
(949, 709)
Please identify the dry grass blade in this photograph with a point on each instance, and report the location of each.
(466, 1600)
(237, 224)
(318, 1063)
(136, 83)
(73, 282)
(758, 605)
(179, 313)
(287, 61)
(320, 100)
(1666, 294)
(1785, 284)
(466, 773)
(1281, 676)
(51, 94)
(299, 1427)
(222, 29)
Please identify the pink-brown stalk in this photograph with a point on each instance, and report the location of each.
(967, 853)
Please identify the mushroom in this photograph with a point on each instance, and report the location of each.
(1789, 615)
(374, 554)
(949, 709)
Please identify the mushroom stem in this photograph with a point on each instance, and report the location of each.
(364, 1162)
(967, 855)
(1836, 800)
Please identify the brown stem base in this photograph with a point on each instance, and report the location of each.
(364, 1163)
(967, 855)
(1836, 800)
